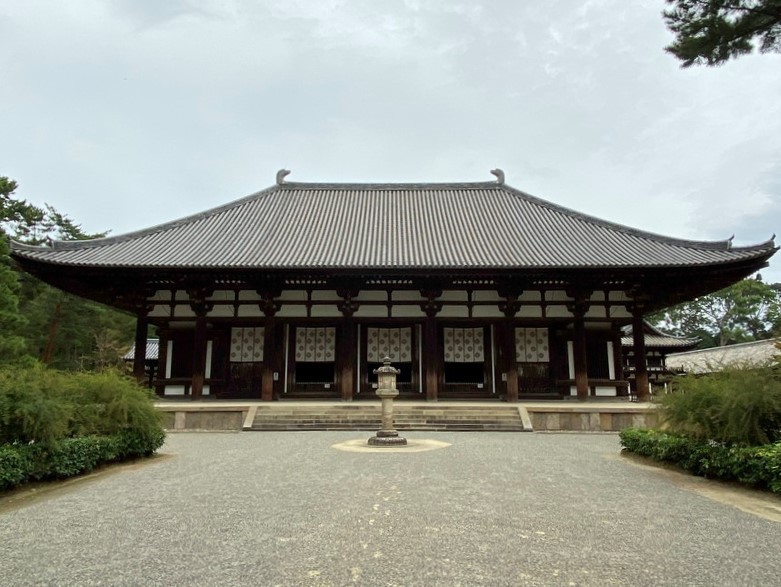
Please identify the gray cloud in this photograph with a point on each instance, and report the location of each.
(129, 113)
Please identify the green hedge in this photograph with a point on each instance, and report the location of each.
(22, 463)
(756, 466)
(55, 424)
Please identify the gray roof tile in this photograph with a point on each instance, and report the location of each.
(310, 226)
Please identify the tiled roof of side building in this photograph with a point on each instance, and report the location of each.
(655, 338)
(392, 226)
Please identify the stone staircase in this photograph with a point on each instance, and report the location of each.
(366, 416)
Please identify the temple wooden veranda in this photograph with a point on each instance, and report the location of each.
(475, 291)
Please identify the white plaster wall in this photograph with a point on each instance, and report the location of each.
(371, 312)
(407, 312)
(485, 296)
(372, 296)
(183, 311)
(618, 296)
(453, 295)
(222, 295)
(596, 312)
(249, 295)
(161, 295)
(407, 296)
(292, 311)
(249, 311)
(221, 312)
(619, 312)
(325, 312)
(558, 312)
(160, 311)
(557, 295)
(487, 312)
(531, 296)
(529, 312)
(454, 312)
(325, 295)
(293, 295)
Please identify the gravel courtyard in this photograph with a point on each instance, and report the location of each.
(289, 509)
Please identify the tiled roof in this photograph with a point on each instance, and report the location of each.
(655, 338)
(152, 350)
(312, 226)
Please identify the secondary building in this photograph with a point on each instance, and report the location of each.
(474, 290)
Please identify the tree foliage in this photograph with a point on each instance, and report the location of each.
(748, 310)
(39, 321)
(711, 32)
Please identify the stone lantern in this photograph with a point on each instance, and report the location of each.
(386, 391)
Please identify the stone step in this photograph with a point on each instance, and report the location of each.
(367, 417)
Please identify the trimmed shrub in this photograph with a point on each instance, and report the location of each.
(21, 463)
(757, 466)
(55, 424)
(15, 467)
(40, 405)
(740, 406)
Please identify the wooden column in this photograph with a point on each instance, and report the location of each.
(199, 357)
(269, 351)
(510, 308)
(579, 351)
(269, 307)
(348, 349)
(162, 359)
(139, 357)
(201, 308)
(431, 351)
(641, 368)
(510, 366)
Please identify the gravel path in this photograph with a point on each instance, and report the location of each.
(287, 509)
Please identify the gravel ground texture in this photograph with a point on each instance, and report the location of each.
(286, 508)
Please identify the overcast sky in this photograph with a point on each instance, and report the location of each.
(128, 113)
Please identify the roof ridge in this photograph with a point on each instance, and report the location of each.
(391, 186)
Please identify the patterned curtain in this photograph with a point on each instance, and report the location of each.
(531, 345)
(395, 343)
(316, 345)
(464, 345)
(247, 345)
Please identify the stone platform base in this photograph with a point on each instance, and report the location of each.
(566, 416)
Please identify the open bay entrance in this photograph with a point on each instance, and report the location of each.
(311, 363)
(402, 345)
(467, 362)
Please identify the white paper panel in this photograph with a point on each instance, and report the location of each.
(464, 345)
(316, 345)
(531, 345)
(247, 345)
(393, 342)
